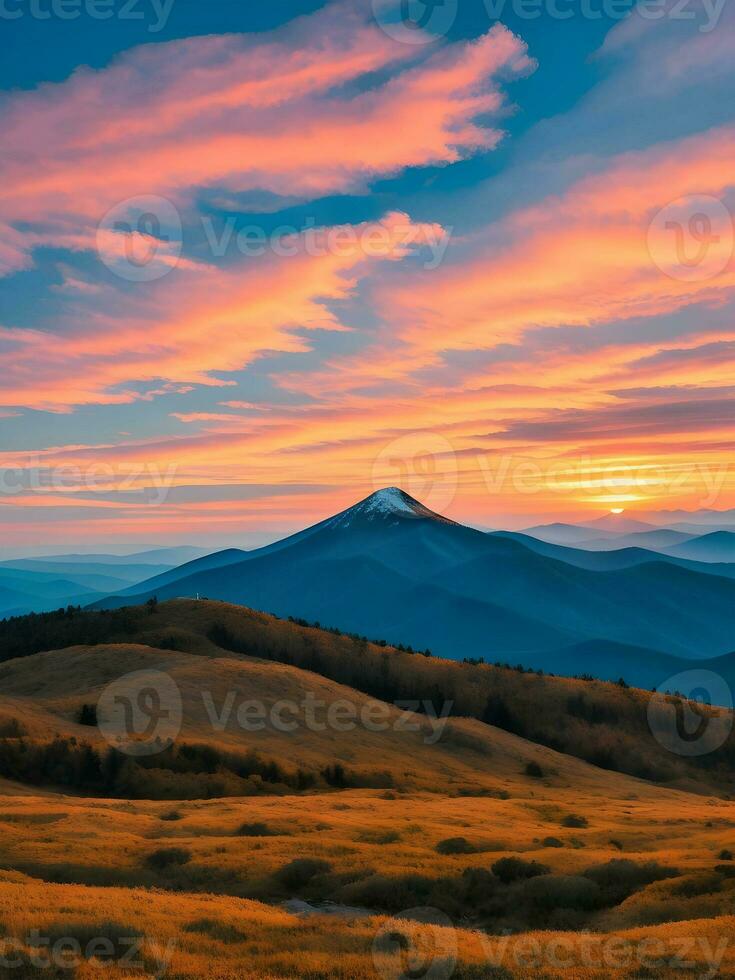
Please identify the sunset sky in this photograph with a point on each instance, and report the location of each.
(259, 260)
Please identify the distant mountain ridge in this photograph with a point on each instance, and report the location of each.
(390, 568)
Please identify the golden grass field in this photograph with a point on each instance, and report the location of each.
(80, 867)
(55, 838)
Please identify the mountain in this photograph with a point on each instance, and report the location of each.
(719, 546)
(217, 560)
(571, 534)
(157, 556)
(67, 569)
(610, 531)
(619, 524)
(610, 558)
(390, 568)
(656, 540)
(40, 584)
(697, 520)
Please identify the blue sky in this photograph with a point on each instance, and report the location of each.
(529, 306)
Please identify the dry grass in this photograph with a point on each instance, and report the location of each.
(359, 832)
(193, 936)
(45, 693)
(81, 867)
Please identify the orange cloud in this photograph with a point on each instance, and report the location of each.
(240, 112)
(195, 323)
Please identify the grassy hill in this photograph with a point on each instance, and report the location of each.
(210, 646)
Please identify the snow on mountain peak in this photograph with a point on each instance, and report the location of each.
(391, 504)
(391, 500)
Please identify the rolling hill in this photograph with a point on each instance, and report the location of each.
(56, 663)
(610, 559)
(41, 584)
(719, 546)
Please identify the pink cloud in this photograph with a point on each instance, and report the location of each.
(581, 259)
(240, 113)
(197, 322)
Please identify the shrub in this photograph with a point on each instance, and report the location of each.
(300, 871)
(88, 715)
(381, 837)
(171, 815)
(511, 869)
(562, 892)
(255, 830)
(725, 855)
(573, 820)
(552, 842)
(108, 942)
(183, 771)
(621, 877)
(167, 857)
(389, 894)
(534, 770)
(695, 885)
(12, 728)
(216, 930)
(455, 845)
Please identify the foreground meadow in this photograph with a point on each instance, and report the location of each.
(187, 936)
(237, 902)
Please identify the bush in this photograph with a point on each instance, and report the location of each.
(573, 820)
(108, 942)
(725, 855)
(534, 770)
(216, 930)
(88, 715)
(12, 728)
(300, 871)
(167, 857)
(511, 869)
(171, 815)
(562, 892)
(389, 894)
(255, 830)
(183, 771)
(552, 842)
(621, 877)
(699, 884)
(455, 845)
(380, 837)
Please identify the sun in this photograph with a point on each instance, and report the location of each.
(617, 510)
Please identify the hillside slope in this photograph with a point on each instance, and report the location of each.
(210, 645)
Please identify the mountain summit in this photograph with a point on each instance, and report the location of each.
(388, 505)
(389, 567)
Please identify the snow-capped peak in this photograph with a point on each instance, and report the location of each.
(390, 504)
(391, 500)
